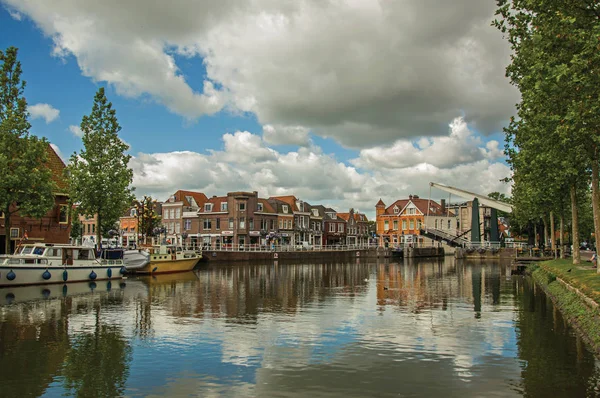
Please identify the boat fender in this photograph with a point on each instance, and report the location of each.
(92, 285)
(109, 273)
(109, 286)
(65, 275)
(123, 270)
(11, 275)
(93, 275)
(155, 268)
(46, 293)
(46, 275)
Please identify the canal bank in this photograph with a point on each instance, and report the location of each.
(575, 290)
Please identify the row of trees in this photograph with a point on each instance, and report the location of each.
(552, 143)
(99, 177)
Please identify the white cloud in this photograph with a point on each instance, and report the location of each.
(76, 130)
(285, 135)
(15, 15)
(363, 73)
(45, 111)
(247, 163)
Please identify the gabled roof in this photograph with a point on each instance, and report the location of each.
(216, 202)
(380, 203)
(186, 196)
(57, 167)
(278, 204)
(435, 209)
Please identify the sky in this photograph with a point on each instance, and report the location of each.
(339, 103)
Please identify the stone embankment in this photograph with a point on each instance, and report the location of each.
(575, 291)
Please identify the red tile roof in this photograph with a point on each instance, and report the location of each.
(420, 204)
(199, 197)
(290, 200)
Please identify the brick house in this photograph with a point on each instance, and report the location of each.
(55, 226)
(181, 205)
(402, 221)
(334, 228)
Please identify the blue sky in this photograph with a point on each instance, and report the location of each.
(280, 98)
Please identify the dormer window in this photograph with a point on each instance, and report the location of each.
(133, 213)
(208, 207)
(223, 206)
(396, 210)
(260, 207)
(315, 212)
(284, 208)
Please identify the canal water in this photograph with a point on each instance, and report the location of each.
(427, 328)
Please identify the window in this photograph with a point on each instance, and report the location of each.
(403, 224)
(386, 225)
(419, 224)
(63, 215)
(412, 224)
(89, 228)
(264, 225)
(207, 224)
(315, 212)
(340, 227)
(223, 206)
(284, 208)
(251, 224)
(436, 224)
(280, 224)
(242, 206)
(396, 210)
(208, 207)
(273, 223)
(449, 224)
(242, 223)
(331, 227)
(395, 224)
(177, 213)
(187, 224)
(231, 223)
(260, 207)
(14, 233)
(177, 228)
(93, 228)
(133, 213)
(218, 223)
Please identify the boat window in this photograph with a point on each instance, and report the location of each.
(54, 252)
(26, 250)
(38, 251)
(83, 255)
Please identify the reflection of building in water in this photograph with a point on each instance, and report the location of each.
(416, 284)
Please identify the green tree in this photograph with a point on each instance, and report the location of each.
(100, 177)
(76, 228)
(26, 186)
(148, 217)
(555, 66)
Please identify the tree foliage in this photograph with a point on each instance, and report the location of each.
(552, 145)
(148, 217)
(26, 186)
(100, 177)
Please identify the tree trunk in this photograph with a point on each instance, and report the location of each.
(552, 234)
(7, 230)
(596, 198)
(575, 227)
(545, 238)
(562, 236)
(98, 232)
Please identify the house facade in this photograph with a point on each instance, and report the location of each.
(401, 222)
(54, 226)
(173, 210)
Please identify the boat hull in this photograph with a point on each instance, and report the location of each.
(34, 275)
(168, 266)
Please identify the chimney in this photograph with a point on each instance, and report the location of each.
(443, 201)
(410, 197)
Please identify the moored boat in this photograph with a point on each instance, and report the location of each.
(167, 259)
(48, 264)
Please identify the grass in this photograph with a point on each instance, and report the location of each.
(582, 276)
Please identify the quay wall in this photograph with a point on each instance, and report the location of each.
(580, 311)
(316, 255)
(483, 254)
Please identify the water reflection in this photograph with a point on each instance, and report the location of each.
(430, 327)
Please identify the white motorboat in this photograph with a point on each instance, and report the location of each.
(135, 259)
(48, 263)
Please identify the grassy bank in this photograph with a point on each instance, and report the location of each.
(584, 317)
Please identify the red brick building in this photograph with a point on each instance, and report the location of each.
(55, 226)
